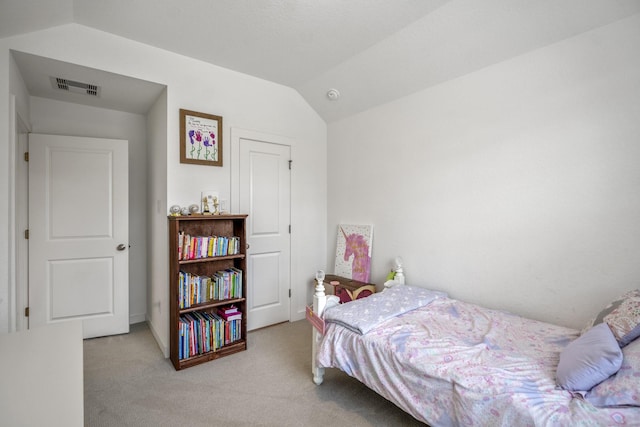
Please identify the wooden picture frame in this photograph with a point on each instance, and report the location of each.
(200, 138)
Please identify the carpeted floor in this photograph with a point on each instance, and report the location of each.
(128, 382)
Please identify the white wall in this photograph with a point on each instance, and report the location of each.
(158, 230)
(517, 186)
(19, 89)
(243, 101)
(63, 118)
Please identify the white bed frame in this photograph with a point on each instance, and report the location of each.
(320, 303)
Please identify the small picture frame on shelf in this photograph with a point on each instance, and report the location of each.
(200, 138)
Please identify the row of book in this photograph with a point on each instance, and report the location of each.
(196, 247)
(195, 289)
(202, 332)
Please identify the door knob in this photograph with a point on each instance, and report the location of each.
(121, 247)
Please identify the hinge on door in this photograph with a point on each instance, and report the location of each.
(290, 161)
(289, 228)
(289, 292)
(26, 234)
(26, 156)
(26, 312)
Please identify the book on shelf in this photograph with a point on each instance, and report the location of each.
(197, 247)
(210, 245)
(195, 289)
(230, 314)
(202, 332)
(228, 309)
(233, 323)
(204, 247)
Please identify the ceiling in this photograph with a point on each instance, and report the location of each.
(371, 51)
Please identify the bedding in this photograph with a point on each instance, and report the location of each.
(623, 388)
(455, 363)
(363, 315)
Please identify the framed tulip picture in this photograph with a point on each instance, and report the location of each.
(200, 138)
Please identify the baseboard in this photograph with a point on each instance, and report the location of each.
(137, 318)
(163, 348)
(299, 315)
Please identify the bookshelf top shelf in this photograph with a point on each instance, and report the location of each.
(200, 217)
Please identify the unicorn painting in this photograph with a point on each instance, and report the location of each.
(353, 252)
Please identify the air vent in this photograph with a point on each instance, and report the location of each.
(75, 87)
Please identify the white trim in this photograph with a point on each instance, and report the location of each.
(137, 318)
(22, 222)
(17, 203)
(163, 348)
(18, 260)
(12, 264)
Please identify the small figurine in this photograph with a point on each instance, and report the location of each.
(174, 210)
(216, 204)
(206, 205)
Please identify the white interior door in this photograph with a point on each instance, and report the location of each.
(265, 195)
(78, 233)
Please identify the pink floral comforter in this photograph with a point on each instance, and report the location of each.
(453, 363)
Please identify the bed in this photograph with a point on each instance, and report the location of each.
(448, 362)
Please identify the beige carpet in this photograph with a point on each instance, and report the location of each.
(128, 382)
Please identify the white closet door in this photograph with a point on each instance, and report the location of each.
(79, 232)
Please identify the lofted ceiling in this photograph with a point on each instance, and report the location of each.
(371, 51)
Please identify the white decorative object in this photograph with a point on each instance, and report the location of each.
(398, 274)
(399, 277)
(216, 205)
(194, 209)
(320, 283)
(174, 210)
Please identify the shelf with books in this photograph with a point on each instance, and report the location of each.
(203, 332)
(215, 258)
(207, 292)
(211, 304)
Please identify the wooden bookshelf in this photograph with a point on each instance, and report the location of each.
(221, 226)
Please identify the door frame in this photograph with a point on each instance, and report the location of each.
(236, 135)
(18, 286)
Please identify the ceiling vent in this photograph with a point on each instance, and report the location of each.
(75, 87)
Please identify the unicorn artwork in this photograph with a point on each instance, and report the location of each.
(353, 252)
